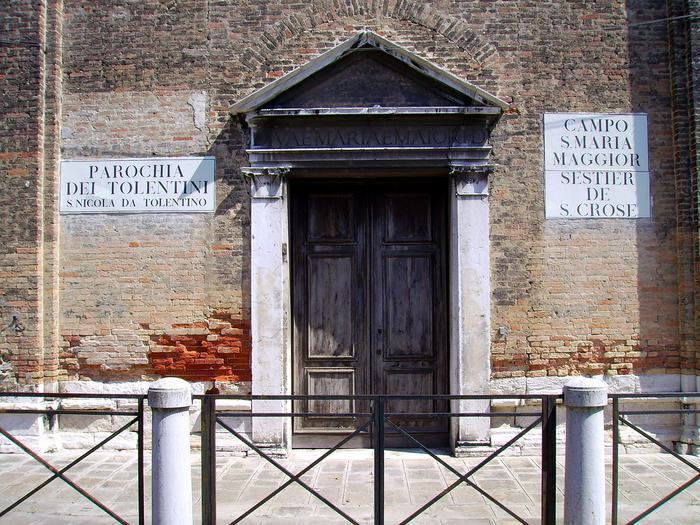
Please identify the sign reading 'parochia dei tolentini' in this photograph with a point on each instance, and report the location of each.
(146, 185)
(596, 166)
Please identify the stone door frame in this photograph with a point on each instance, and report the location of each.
(373, 127)
(468, 311)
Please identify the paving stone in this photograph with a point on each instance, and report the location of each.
(472, 521)
(244, 481)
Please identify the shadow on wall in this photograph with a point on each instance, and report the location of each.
(656, 353)
(219, 347)
(169, 293)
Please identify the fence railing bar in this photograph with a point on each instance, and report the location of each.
(61, 471)
(456, 472)
(615, 458)
(548, 514)
(378, 419)
(64, 395)
(296, 414)
(300, 473)
(666, 498)
(655, 412)
(503, 447)
(59, 412)
(208, 456)
(494, 500)
(651, 395)
(473, 470)
(464, 414)
(425, 449)
(393, 414)
(285, 471)
(281, 397)
(140, 461)
(658, 443)
(446, 491)
(66, 479)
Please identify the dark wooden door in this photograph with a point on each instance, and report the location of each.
(369, 303)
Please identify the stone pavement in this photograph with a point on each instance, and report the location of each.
(345, 478)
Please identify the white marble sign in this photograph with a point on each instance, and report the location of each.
(596, 166)
(146, 185)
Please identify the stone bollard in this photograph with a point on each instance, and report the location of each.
(171, 486)
(584, 484)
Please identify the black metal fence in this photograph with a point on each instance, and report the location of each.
(377, 422)
(621, 417)
(137, 418)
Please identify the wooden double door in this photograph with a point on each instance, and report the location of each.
(369, 293)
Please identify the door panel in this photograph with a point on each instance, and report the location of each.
(328, 298)
(330, 381)
(409, 324)
(330, 217)
(407, 216)
(409, 307)
(369, 299)
(409, 382)
(330, 313)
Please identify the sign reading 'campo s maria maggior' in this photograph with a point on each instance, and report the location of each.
(596, 166)
(147, 185)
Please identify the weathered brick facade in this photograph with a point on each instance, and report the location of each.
(131, 297)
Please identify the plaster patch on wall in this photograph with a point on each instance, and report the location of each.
(120, 352)
(7, 373)
(198, 103)
(104, 124)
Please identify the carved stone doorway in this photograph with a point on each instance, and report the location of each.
(368, 108)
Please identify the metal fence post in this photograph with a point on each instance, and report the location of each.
(171, 487)
(615, 456)
(141, 477)
(378, 429)
(549, 459)
(584, 484)
(208, 460)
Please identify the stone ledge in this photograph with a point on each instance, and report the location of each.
(233, 405)
(27, 405)
(88, 404)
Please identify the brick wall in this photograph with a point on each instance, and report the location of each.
(142, 295)
(594, 296)
(693, 61)
(684, 40)
(30, 55)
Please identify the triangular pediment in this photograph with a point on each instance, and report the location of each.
(367, 71)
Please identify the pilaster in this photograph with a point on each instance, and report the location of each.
(270, 303)
(470, 303)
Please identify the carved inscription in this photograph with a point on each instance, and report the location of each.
(370, 137)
